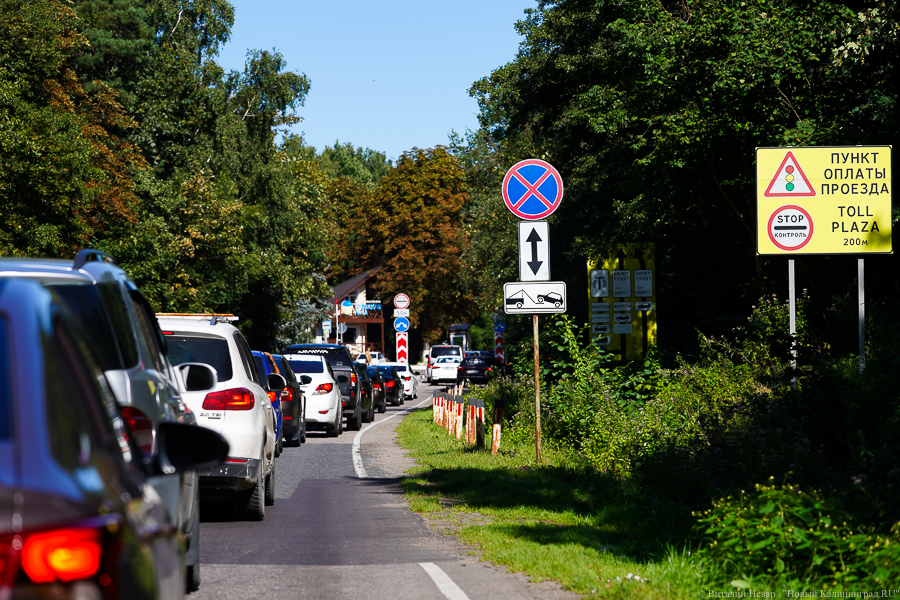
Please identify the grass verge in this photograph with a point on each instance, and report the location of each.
(550, 521)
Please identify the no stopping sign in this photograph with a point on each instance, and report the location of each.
(790, 227)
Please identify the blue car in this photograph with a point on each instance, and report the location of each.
(265, 365)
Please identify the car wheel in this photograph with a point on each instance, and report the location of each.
(279, 448)
(193, 578)
(557, 304)
(540, 299)
(370, 414)
(518, 305)
(335, 429)
(253, 502)
(270, 488)
(383, 408)
(303, 429)
(355, 422)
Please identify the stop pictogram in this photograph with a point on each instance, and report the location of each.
(790, 227)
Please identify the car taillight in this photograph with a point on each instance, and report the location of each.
(352, 378)
(405, 378)
(376, 386)
(323, 388)
(287, 395)
(389, 383)
(271, 396)
(233, 399)
(65, 554)
(141, 428)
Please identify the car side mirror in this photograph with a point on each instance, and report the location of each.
(275, 382)
(198, 377)
(305, 379)
(182, 447)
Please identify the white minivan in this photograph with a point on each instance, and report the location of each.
(436, 352)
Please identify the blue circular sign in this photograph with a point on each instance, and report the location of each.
(401, 324)
(532, 189)
(499, 326)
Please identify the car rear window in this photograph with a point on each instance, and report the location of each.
(445, 351)
(400, 368)
(307, 366)
(336, 357)
(213, 351)
(473, 361)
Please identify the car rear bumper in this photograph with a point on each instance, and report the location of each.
(234, 475)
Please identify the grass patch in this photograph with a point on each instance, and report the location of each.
(552, 521)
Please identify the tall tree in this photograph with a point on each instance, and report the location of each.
(415, 231)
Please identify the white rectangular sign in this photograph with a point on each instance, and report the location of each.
(643, 283)
(401, 312)
(529, 298)
(534, 251)
(621, 284)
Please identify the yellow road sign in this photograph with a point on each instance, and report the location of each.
(824, 200)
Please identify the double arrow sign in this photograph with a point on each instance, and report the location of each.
(534, 251)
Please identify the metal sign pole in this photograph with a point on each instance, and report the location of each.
(861, 280)
(792, 299)
(537, 393)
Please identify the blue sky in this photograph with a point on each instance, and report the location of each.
(388, 75)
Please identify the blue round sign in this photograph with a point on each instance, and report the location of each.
(499, 326)
(532, 189)
(401, 324)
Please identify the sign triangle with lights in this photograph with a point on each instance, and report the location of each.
(789, 180)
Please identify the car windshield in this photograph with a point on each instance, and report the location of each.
(400, 368)
(307, 366)
(212, 351)
(336, 357)
(386, 371)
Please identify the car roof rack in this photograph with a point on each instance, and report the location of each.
(89, 255)
(213, 317)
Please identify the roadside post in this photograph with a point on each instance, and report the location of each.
(532, 190)
(824, 200)
(479, 423)
(460, 415)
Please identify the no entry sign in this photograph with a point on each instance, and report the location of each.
(532, 189)
(790, 227)
(401, 301)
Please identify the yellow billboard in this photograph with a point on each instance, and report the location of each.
(824, 200)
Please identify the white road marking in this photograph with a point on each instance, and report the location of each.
(443, 582)
(357, 459)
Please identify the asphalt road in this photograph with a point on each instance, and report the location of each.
(341, 528)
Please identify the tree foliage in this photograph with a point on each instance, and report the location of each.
(652, 112)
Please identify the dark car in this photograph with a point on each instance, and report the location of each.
(393, 384)
(379, 400)
(355, 403)
(122, 329)
(77, 516)
(551, 298)
(480, 369)
(293, 405)
(368, 393)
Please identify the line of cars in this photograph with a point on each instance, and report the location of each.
(115, 422)
(446, 363)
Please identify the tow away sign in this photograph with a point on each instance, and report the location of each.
(533, 297)
(824, 200)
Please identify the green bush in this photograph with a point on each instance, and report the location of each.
(785, 533)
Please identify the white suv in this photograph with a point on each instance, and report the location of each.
(238, 408)
(437, 351)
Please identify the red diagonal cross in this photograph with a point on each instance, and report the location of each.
(532, 189)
